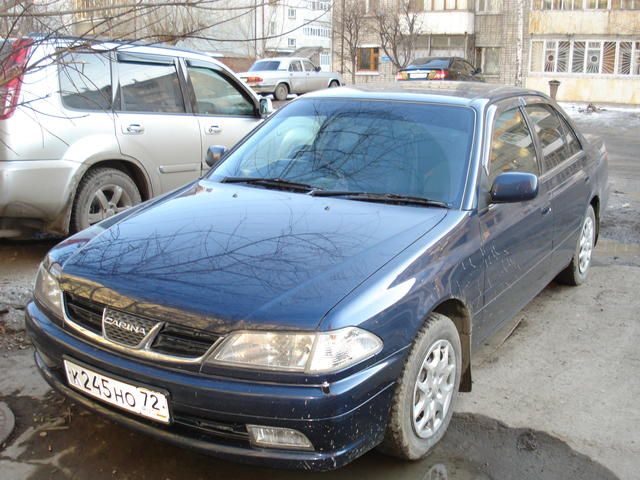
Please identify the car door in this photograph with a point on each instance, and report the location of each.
(154, 124)
(297, 77)
(315, 80)
(225, 111)
(564, 166)
(516, 237)
(455, 70)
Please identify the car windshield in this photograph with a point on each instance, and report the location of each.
(379, 147)
(265, 65)
(430, 63)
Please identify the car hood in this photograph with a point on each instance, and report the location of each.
(230, 256)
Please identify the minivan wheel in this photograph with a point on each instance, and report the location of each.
(282, 92)
(578, 270)
(426, 391)
(102, 193)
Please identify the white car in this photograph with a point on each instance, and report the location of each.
(281, 76)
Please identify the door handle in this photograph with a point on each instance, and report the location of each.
(213, 129)
(546, 210)
(135, 128)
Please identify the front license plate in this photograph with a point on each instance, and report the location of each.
(139, 400)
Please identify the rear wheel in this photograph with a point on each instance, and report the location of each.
(102, 193)
(578, 270)
(426, 391)
(334, 84)
(281, 92)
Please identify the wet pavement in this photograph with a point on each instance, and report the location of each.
(56, 440)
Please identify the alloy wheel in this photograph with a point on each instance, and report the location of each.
(587, 238)
(433, 389)
(107, 201)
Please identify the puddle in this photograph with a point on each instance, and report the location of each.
(54, 440)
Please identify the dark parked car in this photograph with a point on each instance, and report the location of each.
(321, 291)
(440, 68)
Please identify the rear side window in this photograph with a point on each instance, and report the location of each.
(295, 66)
(549, 130)
(85, 81)
(512, 148)
(573, 145)
(150, 87)
(215, 95)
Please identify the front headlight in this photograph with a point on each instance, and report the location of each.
(46, 290)
(299, 352)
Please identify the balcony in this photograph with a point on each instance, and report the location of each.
(449, 22)
(584, 22)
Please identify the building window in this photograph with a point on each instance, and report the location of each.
(416, 5)
(606, 57)
(489, 6)
(319, 5)
(446, 4)
(372, 6)
(585, 5)
(313, 31)
(291, 12)
(291, 42)
(489, 59)
(368, 59)
(325, 61)
(273, 27)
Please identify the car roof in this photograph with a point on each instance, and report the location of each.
(446, 92)
(281, 59)
(131, 47)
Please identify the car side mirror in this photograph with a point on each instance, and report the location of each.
(266, 107)
(513, 187)
(317, 69)
(477, 71)
(215, 154)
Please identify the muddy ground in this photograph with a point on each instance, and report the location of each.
(555, 399)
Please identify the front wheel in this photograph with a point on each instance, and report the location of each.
(423, 402)
(578, 270)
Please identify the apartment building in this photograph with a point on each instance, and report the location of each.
(443, 27)
(591, 46)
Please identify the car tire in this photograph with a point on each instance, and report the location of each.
(281, 92)
(103, 192)
(577, 271)
(422, 380)
(334, 84)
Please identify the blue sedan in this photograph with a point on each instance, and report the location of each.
(321, 291)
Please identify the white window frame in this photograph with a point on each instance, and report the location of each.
(291, 13)
(635, 59)
(291, 42)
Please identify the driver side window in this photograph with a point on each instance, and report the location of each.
(512, 147)
(216, 96)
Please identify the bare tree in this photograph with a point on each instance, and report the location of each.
(398, 27)
(350, 26)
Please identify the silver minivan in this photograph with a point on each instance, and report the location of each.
(90, 129)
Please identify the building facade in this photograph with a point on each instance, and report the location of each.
(591, 46)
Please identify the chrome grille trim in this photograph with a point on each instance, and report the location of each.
(143, 351)
(142, 327)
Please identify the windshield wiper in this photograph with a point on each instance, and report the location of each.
(381, 197)
(271, 182)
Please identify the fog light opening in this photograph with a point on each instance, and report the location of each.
(277, 437)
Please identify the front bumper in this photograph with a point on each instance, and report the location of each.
(210, 413)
